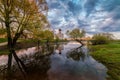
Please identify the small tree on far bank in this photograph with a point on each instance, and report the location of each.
(76, 33)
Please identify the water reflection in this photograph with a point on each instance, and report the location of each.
(66, 67)
(58, 62)
(20, 53)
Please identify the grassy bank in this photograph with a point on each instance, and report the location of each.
(109, 55)
(3, 40)
(24, 44)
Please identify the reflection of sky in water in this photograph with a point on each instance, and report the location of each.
(63, 68)
(20, 53)
(66, 48)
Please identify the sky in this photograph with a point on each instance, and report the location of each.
(94, 16)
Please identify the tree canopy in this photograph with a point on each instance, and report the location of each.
(19, 15)
(76, 33)
(102, 38)
(44, 34)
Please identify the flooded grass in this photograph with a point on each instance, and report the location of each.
(109, 55)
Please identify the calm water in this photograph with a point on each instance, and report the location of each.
(65, 62)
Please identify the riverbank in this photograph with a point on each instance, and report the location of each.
(59, 65)
(24, 44)
(2, 40)
(109, 55)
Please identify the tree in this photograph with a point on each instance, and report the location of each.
(101, 38)
(45, 34)
(76, 33)
(49, 35)
(17, 16)
(67, 32)
(2, 30)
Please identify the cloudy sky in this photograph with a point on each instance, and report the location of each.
(92, 15)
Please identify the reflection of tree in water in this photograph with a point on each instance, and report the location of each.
(37, 65)
(75, 65)
(76, 54)
(42, 65)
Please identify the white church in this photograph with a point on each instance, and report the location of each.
(60, 35)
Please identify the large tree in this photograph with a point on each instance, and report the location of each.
(17, 16)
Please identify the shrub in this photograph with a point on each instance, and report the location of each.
(101, 39)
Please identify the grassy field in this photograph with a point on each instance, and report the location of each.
(3, 40)
(109, 55)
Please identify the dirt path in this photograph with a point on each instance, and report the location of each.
(4, 43)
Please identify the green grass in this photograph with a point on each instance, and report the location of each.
(109, 55)
(3, 40)
(4, 52)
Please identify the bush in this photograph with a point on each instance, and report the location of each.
(100, 39)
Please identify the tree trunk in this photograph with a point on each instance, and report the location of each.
(38, 46)
(9, 38)
(11, 47)
(80, 41)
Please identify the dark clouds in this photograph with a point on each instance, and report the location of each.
(74, 8)
(90, 6)
(91, 15)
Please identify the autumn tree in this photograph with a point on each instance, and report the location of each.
(17, 16)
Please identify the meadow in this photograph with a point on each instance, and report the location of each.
(109, 55)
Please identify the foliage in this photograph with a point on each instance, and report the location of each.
(22, 15)
(3, 40)
(18, 16)
(76, 33)
(2, 31)
(101, 38)
(48, 35)
(109, 55)
(44, 34)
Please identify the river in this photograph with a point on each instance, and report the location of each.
(67, 61)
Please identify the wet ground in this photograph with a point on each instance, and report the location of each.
(63, 61)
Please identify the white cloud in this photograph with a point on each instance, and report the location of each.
(68, 16)
(116, 35)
